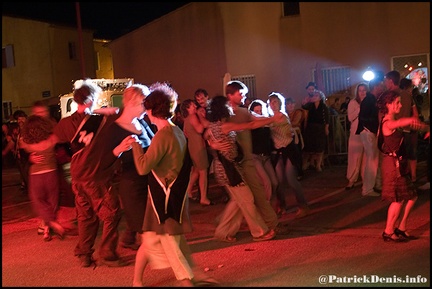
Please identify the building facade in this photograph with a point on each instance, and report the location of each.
(41, 61)
(274, 46)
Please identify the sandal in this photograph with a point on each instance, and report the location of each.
(400, 233)
(390, 238)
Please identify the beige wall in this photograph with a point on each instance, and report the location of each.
(197, 44)
(105, 59)
(42, 61)
(185, 47)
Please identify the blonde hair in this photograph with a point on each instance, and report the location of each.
(135, 93)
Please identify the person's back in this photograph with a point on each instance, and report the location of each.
(408, 105)
(409, 109)
(43, 175)
(93, 198)
(244, 137)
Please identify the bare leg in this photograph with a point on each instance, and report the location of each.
(194, 175)
(319, 161)
(408, 207)
(392, 216)
(140, 265)
(203, 184)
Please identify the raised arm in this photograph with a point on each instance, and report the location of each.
(40, 146)
(255, 123)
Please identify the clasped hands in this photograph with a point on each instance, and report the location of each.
(126, 144)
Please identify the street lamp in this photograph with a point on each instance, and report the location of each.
(369, 74)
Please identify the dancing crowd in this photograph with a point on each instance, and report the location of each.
(142, 162)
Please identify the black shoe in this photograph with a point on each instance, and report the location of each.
(403, 234)
(85, 260)
(349, 187)
(377, 190)
(390, 238)
(71, 232)
(281, 229)
(113, 263)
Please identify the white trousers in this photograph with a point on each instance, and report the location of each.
(370, 160)
(355, 158)
(165, 250)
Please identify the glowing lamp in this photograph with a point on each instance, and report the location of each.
(368, 75)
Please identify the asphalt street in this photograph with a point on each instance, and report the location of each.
(338, 245)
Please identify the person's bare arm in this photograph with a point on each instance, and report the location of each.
(196, 123)
(255, 123)
(9, 147)
(40, 146)
(413, 122)
(201, 113)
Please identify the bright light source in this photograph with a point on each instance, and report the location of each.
(368, 75)
(419, 64)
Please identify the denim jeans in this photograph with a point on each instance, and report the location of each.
(96, 202)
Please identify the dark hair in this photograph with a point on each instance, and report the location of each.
(373, 83)
(184, 107)
(36, 129)
(405, 83)
(311, 84)
(385, 98)
(87, 91)
(162, 100)
(201, 90)
(254, 104)
(235, 85)
(394, 76)
(19, 113)
(218, 108)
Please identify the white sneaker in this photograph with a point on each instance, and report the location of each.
(424, 187)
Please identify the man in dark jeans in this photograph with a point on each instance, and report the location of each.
(94, 202)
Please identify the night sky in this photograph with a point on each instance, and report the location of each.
(110, 20)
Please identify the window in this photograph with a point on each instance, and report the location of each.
(72, 51)
(333, 80)
(249, 81)
(7, 110)
(97, 59)
(291, 8)
(414, 67)
(8, 59)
